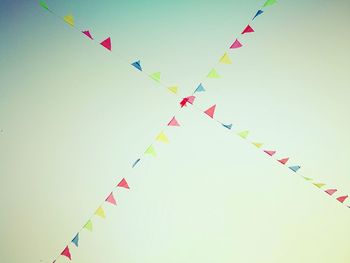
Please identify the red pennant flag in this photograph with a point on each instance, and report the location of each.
(87, 33)
(270, 152)
(123, 183)
(236, 44)
(283, 161)
(341, 199)
(66, 253)
(173, 122)
(107, 43)
(110, 199)
(331, 191)
(210, 111)
(183, 102)
(248, 29)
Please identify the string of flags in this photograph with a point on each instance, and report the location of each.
(173, 122)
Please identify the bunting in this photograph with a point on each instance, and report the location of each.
(213, 74)
(110, 199)
(162, 137)
(271, 153)
(66, 253)
(69, 19)
(87, 33)
(88, 225)
(150, 150)
(210, 112)
(44, 5)
(136, 162)
(123, 183)
(236, 44)
(225, 59)
(260, 12)
(243, 134)
(137, 64)
(173, 89)
(155, 76)
(269, 2)
(248, 29)
(75, 240)
(107, 43)
(200, 88)
(100, 212)
(173, 122)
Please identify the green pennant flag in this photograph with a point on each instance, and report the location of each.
(43, 4)
(243, 134)
(213, 74)
(155, 76)
(269, 2)
(88, 225)
(150, 150)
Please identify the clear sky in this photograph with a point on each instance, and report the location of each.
(74, 117)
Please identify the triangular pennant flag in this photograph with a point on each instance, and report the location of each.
(228, 126)
(162, 137)
(100, 212)
(137, 64)
(331, 191)
(213, 74)
(107, 43)
(44, 5)
(183, 102)
(270, 2)
(225, 59)
(87, 33)
(88, 225)
(283, 161)
(110, 199)
(66, 253)
(319, 185)
(210, 112)
(150, 150)
(135, 163)
(294, 168)
(191, 99)
(248, 29)
(173, 89)
(155, 76)
(258, 13)
(69, 19)
(269, 152)
(257, 144)
(75, 240)
(173, 122)
(243, 134)
(200, 88)
(306, 178)
(123, 183)
(236, 44)
(341, 199)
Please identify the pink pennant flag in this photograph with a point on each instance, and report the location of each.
(66, 253)
(210, 111)
(236, 44)
(123, 183)
(331, 191)
(87, 33)
(173, 122)
(341, 199)
(270, 152)
(248, 29)
(110, 199)
(191, 99)
(283, 161)
(107, 43)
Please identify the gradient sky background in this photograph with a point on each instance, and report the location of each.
(74, 117)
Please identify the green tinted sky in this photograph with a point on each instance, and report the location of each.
(74, 118)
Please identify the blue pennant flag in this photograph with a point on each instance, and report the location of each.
(228, 126)
(199, 88)
(134, 164)
(258, 13)
(75, 240)
(294, 168)
(137, 64)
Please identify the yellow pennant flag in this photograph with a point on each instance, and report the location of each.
(88, 225)
(150, 150)
(173, 89)
(307, 178)
(257, 144)
(100, 212)
(225, 59)
(243, 134)
(69, 19)
(319, 185)
(162, 137)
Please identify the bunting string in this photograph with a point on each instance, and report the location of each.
(161, 137)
